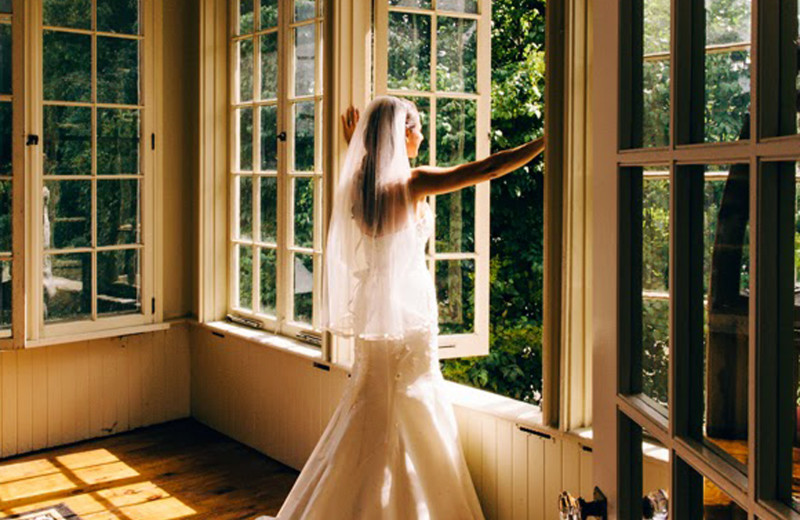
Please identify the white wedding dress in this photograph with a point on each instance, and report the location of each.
(391, 450)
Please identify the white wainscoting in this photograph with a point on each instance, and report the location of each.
(50, 396)
(279, 403)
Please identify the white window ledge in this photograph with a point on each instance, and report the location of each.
(263, 337)
(99, 334)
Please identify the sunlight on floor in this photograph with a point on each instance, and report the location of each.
(38, 483)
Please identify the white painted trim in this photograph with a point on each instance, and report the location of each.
(105, 333)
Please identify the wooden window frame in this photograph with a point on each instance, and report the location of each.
(619, 409)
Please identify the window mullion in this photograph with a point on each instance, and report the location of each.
(284, 257)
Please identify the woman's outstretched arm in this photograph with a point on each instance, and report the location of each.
(432, 180)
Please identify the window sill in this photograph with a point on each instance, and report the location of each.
(100, 334)
(269, 339)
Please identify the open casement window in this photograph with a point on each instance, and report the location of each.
(437, 54)
(696, 276)
(12, 271)
(92, 188)
(276, 180)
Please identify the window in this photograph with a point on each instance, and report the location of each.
(276, 171)
(437, 54)
(697, 332)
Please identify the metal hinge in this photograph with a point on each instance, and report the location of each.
(153, 141)
(153, 305)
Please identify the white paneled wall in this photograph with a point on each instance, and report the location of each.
(56, 395)
(279, 404)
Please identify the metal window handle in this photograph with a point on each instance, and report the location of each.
(282, 136)
(32, 140)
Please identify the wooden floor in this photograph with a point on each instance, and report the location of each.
(180, 469)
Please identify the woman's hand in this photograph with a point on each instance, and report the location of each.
(349, 122)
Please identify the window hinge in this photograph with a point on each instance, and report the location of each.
(153, 305)
(32, 140)
(153, 141)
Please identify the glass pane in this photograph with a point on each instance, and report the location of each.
(455, 221)
(118, 16)
(718, 504)
(304, 60)
(655, 478)
(67, 13)
(304, 136)
(655, 73)
(268, 281)
(246, 16)
(304, 212)
(726, 274)
(67, 214)
(117, 71)
(460, 6)
(455, 289)
(5, 6)
(424, 109)
(5, 295)
(5, 216)
(457, 54)
(117, 141)
(655, 284)
(422, 4)
(269, 13)
(67, 140)
(269, 66)
(117, 212)
(269, 209)
(67, 69)
(5, 58)
(5, 138)
(245, 70)
(795, 448)
(245, 274)
(118, 289)
(409, 51)
(303, 9)
(67, 287)
(303, 287)
(727, 74)
(269, 138)
(245, 137)
(455, 131)
(244, 190)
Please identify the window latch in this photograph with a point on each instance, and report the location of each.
(282, 136)
(32, 140)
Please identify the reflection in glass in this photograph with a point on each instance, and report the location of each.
(459, 6)
(269, 138)
(269, 13)
(245, 70)
(727, 69)
(67, 281)
(303, 9)
(409, 51)
(726, 274)
(455, 290)
(269, 209)
(118, 287)
(655, 284)
(118, 16)
(455, 131)
(246, 16)
(456, 65)
(76, 14)
(117, 141)
(5, 138)
(304, 212)
(655, 478)
(245, 137)
(455, 221)
(67, 140)
(304, 60)
(268, 281)
(5, 295)
(5, 58)
(244, 189)
(5, 216)
(304, 136)
(655, 73)
(117, 71)
(245, 274)
(303, 287)
(67, 214)
(269, 65)
(67, 67)
(117, 212)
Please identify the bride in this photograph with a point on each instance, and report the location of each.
(391, 449)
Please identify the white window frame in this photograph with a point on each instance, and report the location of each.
(37, 330)
(477, 342)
